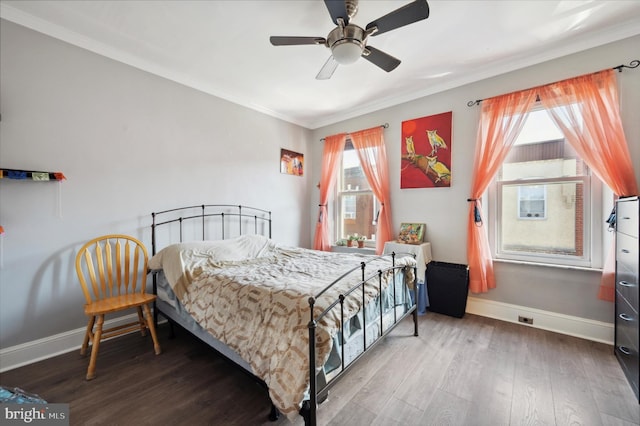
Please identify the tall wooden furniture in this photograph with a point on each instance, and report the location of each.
(112, 270)
(627, 336)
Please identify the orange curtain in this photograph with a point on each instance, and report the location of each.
(331, 155)
(501, 121)
(586, 109)
(369, 144)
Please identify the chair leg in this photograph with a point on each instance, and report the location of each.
(87, 335)
(97, 336)
(141, 321)
(152, 329)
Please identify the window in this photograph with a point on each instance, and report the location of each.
(532, 201)
(543, 199)
(356, 206)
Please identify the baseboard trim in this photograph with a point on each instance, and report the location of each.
(598, 331)
(585, 328)
(48, 347)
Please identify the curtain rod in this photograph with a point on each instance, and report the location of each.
(384, 126)
(633, 64)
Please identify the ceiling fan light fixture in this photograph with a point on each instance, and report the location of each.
(348, 42)
(346, 52)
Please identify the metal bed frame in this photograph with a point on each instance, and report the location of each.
(237, 215)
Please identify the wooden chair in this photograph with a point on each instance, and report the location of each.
(112, 270)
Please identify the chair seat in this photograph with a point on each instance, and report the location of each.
(118, 303)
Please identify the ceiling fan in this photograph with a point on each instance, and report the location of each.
(348, 42)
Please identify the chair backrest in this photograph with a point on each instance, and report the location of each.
(112, 265)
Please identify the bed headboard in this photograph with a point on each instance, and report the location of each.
(207, 222)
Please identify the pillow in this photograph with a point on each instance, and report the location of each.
(183, 259)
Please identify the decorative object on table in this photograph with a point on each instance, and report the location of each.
(291, 163)
(426, 152)
(411, 233)
(356, 239)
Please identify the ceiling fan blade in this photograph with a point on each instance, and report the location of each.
(327, 69)
(337, 9)
(293, 41)
(380, 59)
(408, 14)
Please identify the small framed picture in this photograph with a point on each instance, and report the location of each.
(411, 233)
(291, 163)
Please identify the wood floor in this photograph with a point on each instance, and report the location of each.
(470, 371)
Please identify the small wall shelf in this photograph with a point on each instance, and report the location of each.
(31, 175)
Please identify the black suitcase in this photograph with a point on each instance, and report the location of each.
(447, 287)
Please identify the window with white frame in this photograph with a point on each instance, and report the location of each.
(356, 206)
(544, 199)
(532, 202)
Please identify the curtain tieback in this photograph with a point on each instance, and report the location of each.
(476, 212)
(320, 217)
(374, 222)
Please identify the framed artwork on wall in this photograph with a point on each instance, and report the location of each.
(426, 152)
(291, 163)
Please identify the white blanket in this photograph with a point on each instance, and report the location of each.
(253, 295)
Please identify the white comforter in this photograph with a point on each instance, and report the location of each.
(252, 294)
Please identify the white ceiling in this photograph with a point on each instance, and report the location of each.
(222, 47)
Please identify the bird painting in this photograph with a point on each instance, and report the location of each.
(439, 169)
(435, 141)
(411, 150)
(426, 146)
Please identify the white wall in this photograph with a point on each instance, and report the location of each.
(129, 143)
(444, 210)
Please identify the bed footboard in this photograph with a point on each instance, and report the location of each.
(318, 393)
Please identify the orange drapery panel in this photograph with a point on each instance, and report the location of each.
(501, 121)
(586, 109)
(369, 144)
(331, 155)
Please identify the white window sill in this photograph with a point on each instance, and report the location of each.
(548, 265)
(346, 249)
